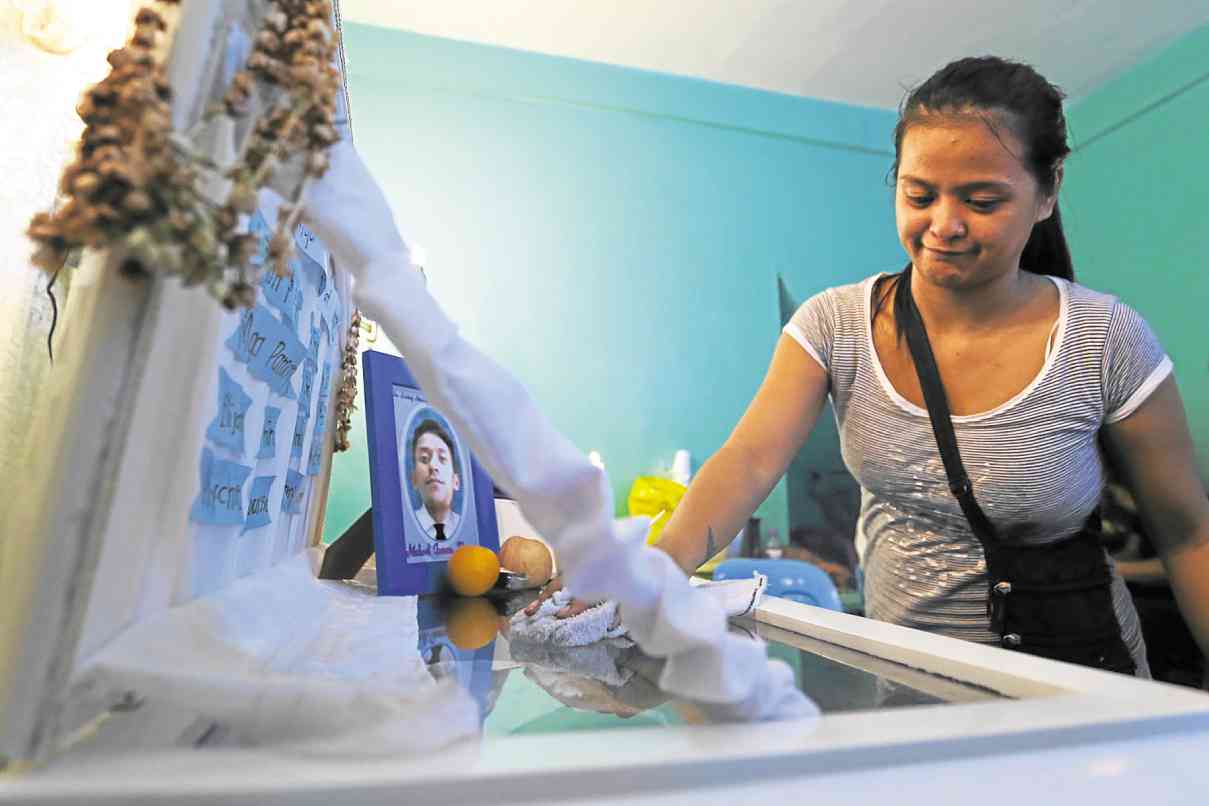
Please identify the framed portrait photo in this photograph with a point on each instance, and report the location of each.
(430, 496)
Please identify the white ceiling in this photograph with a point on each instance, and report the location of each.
(856, 51)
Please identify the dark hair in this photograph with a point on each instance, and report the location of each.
(998, 90)
(430, 426)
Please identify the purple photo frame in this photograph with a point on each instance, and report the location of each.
(382, 374)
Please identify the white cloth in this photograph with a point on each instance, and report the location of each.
(736, 596)
(283, 658)
(565, 497)
(594, 624)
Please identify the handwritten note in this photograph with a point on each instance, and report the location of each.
(272, 351)
(308, 383)
(299, 433)
(258, 503)
(221, 498)
(310, 268)
(309, 245)
(295, 487)
(283, 293)
(314, 461)
(226, 430)
(325, 391)
(313, 347)
(268, 435)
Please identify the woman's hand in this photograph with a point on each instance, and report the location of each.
(552, 587)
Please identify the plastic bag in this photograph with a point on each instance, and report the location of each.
(656, 498)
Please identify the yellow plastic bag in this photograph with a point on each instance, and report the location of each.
(657, 498)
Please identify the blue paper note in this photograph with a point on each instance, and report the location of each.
(308, 383)
(315, 459)
(312, 270)
(271, 350)
(307, 242)
(258, 503)
(268, 435)
(260, 228)
(313, 347)
(325, 384)
(299, 434)
(325, 389)
(283, 293)
(221, 498)
(226, 430)
(295, 488)
(290, 320)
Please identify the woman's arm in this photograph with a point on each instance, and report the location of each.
(1153, 449)
(729, 487)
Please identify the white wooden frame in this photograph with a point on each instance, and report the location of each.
(126, 352)
(1064, 710)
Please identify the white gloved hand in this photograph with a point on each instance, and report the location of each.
(566, 498)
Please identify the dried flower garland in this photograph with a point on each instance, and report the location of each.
(138, 185)
(347, 393)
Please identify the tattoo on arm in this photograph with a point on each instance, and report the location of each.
(711, 545)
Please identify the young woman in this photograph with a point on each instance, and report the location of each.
(1038, 373)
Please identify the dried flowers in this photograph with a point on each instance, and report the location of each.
(136, 183)
(346, 394)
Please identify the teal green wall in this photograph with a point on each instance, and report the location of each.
(613, 236)
(1136, 201)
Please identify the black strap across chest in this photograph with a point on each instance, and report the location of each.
(942, 425)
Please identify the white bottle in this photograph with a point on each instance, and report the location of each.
(682, 467)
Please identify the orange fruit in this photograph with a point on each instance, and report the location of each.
(473, 570)
(471, 623)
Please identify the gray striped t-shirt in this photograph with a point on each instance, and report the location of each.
(1033, 460)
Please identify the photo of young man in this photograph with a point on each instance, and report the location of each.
(435, 477)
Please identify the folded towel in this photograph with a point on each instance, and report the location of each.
(737, 597)
(592, 625)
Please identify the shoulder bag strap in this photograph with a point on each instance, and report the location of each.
(942, 426)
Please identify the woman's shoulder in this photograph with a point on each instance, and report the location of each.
(1096, 311)
(848, 296)
(1086, 295)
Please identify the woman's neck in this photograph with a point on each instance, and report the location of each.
(971, 310)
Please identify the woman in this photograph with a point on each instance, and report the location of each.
(1036, 371)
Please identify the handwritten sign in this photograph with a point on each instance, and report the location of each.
(268, 435)
(226, 430)
(295, 487)
(258, 503)
(221, 498)
(272, 351)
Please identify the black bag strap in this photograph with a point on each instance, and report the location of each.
(942, 425)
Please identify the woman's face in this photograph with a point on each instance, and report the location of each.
(965, 203)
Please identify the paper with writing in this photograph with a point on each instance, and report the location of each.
(220, 501)
(227, 428)
(258, 503)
